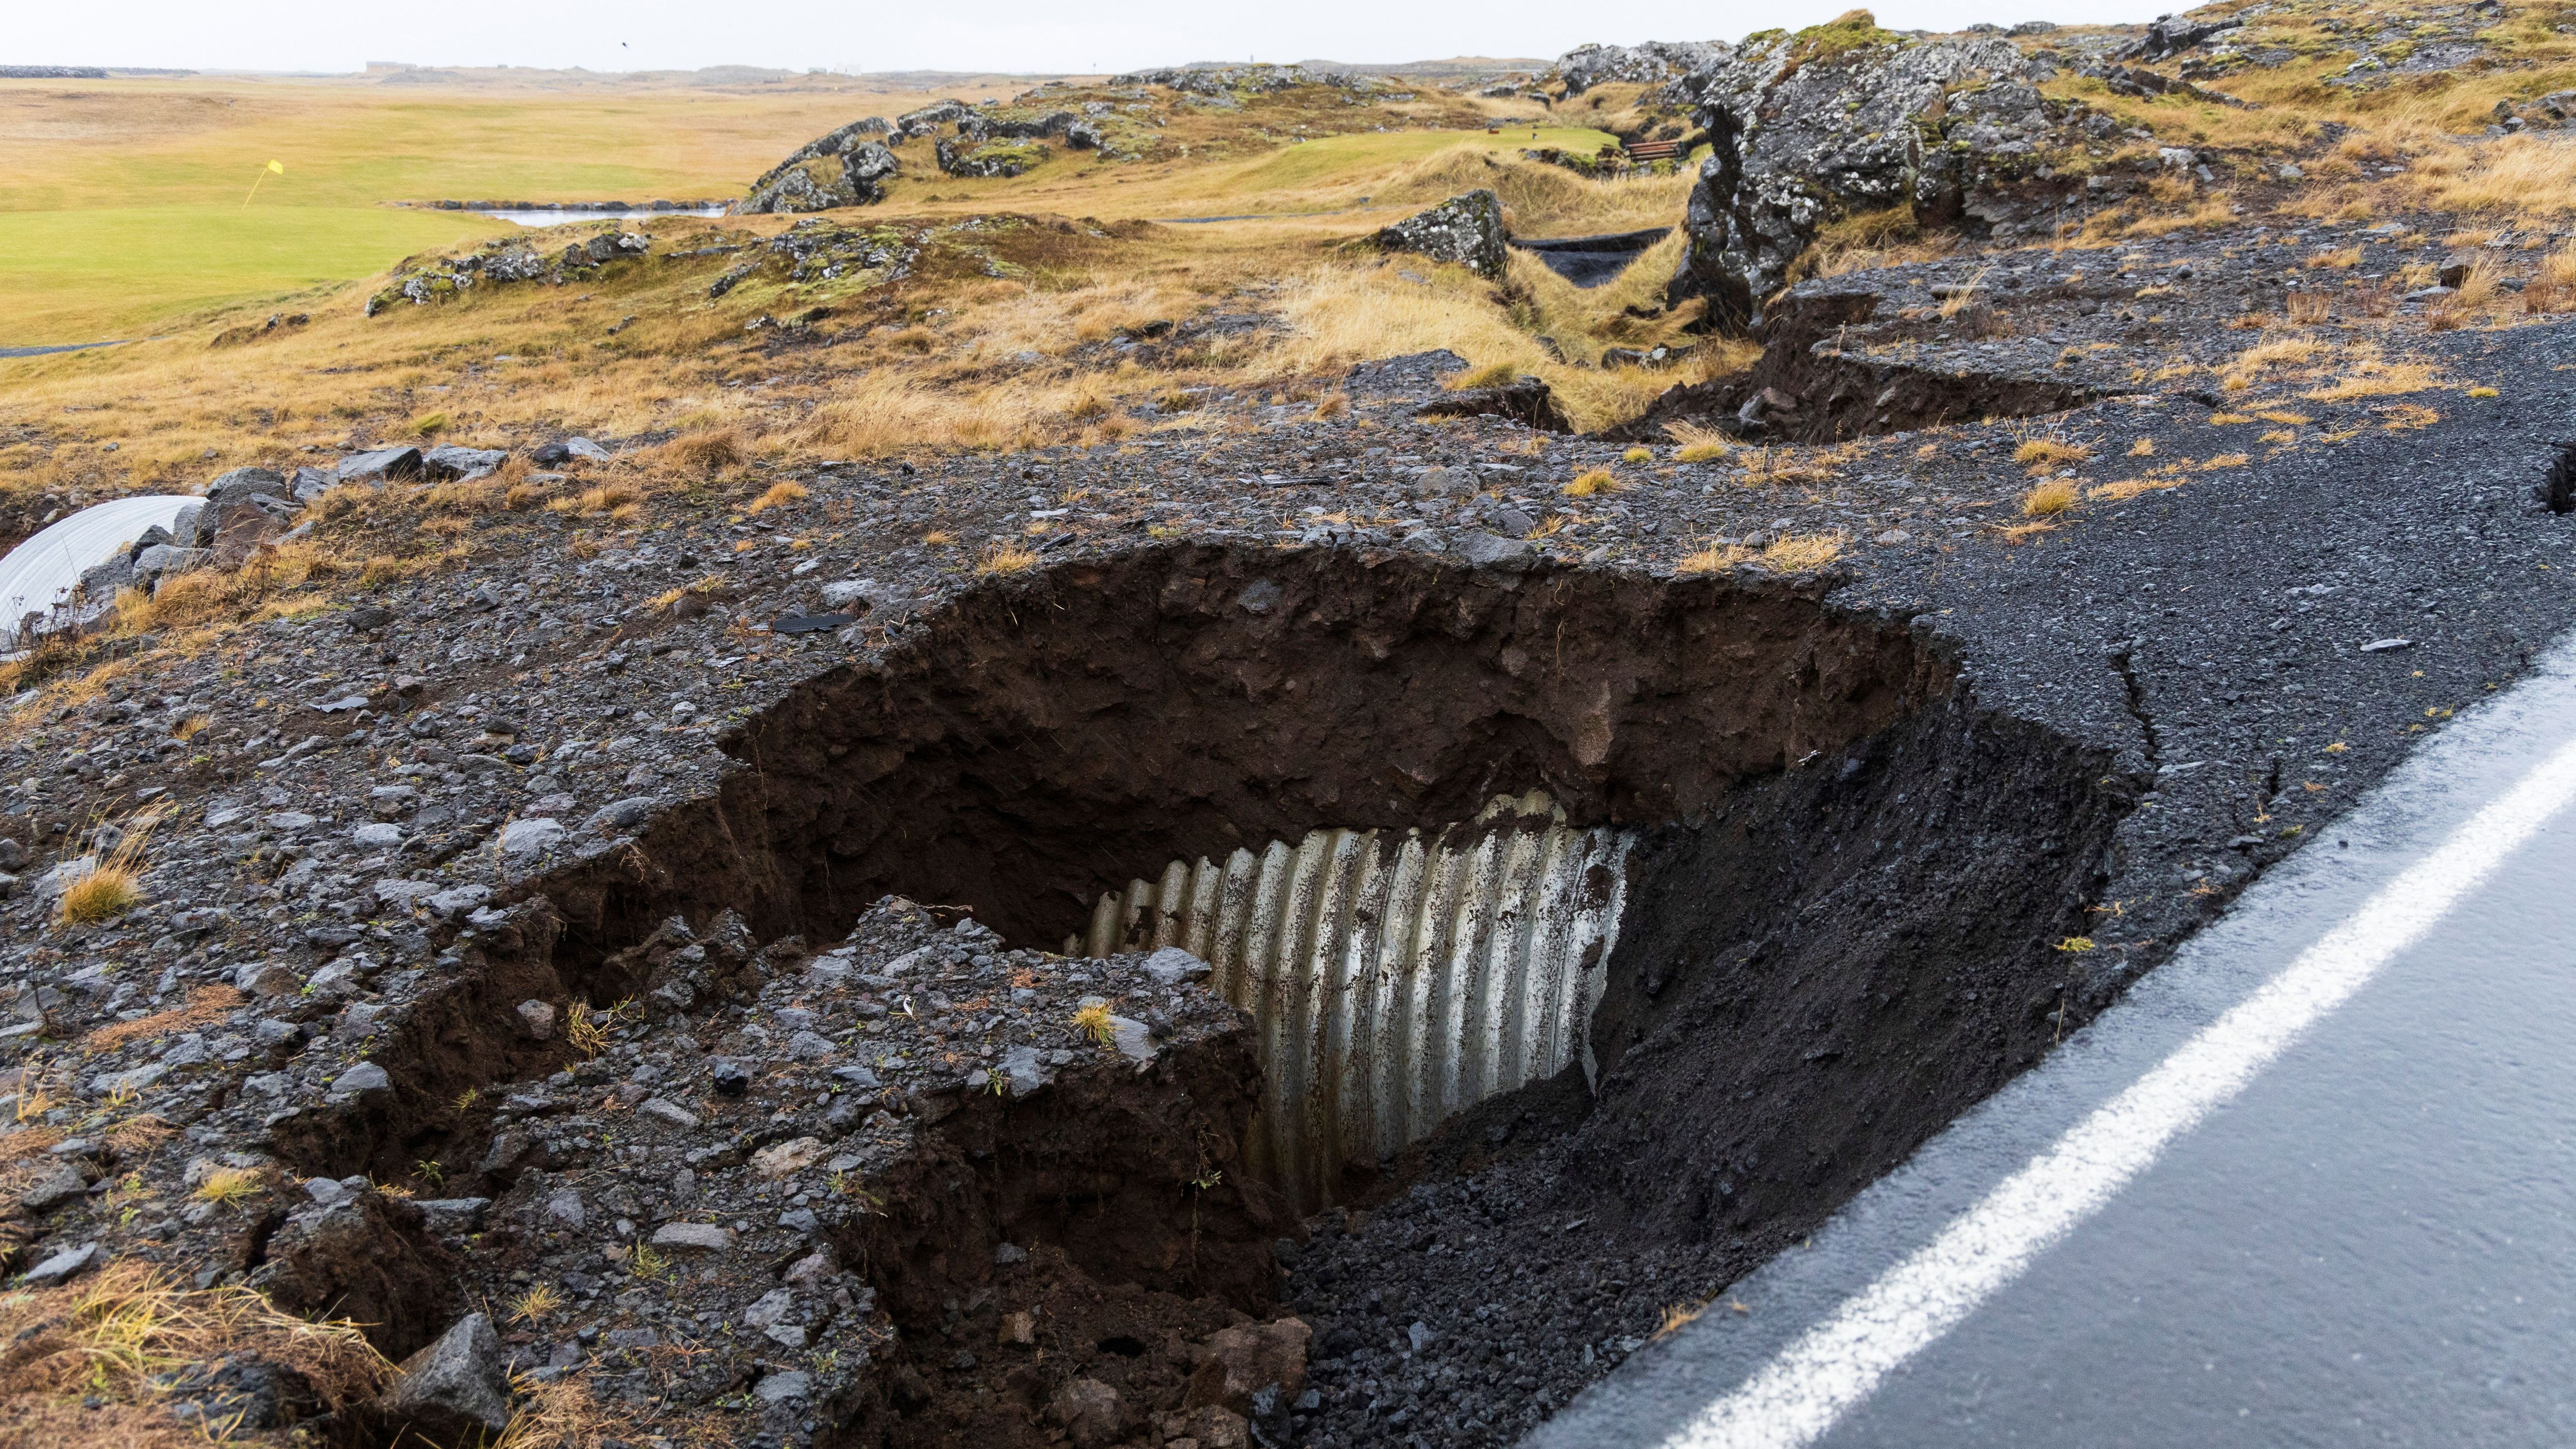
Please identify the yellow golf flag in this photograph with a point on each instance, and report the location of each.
(272, 168)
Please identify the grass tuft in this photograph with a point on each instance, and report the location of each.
(1093, 1022)
(586, 1027)
(1698, 442)
(113, 886)
(206, 1006)
(1798, 553)
(229, 1186)
(1492, 374)
(1005, 559)
(779, 495)
(711, 451)
(2043, 455)
(2054, 496)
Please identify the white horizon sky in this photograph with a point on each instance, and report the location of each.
(997, 35)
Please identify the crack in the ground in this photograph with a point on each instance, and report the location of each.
(2135, 696)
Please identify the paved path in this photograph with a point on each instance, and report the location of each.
(57, 347)
(2312, 1183)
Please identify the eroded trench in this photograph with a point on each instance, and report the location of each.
(1736, 894)
(1808, 387)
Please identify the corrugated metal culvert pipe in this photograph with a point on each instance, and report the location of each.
(1395, 978)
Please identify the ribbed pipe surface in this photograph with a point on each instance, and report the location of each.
(1395, 979)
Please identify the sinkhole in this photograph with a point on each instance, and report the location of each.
(1676, 909)
(1448, 835)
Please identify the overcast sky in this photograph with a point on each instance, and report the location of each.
(1002, 35)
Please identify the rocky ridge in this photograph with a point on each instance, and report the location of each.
(1815, 127)
(504, 261)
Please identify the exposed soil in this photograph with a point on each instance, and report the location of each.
(1813, 978)
(1046, 741)
(1834, 394)
(1125, 1265)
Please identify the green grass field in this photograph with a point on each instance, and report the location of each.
(86, 276)
(121, 201)
(122, 214)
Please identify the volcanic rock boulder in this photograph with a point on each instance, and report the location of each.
(844, 168)
(243, 509)
(2171, 35)
(1587, 66)
(453, 1388)
(1845, 119)
(968, 154)
(1467, 230)
(1526, 400)
(927, 120)
(502, 261)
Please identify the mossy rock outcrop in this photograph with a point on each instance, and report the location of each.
(848, 167)
(1836, 121)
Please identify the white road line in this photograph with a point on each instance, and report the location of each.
(1800, 1394)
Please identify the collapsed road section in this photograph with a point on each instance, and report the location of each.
(1644, 918)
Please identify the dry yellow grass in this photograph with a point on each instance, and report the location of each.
(2043, 455)
(2054, 496)
(2123, 489)
(1885, 238)
(2376, 377)
(1964, 295)
(1498, 374)
(90, 1362)
(1697, 442)
(206, 1004)
(2477, 285)
(2552, 287)
(779, 495)
(1593, 481)
(481, 496)
(535, 1305)
(2522, 175)
(1714, 559)
(711, 451)
(1803, 552)
(2277, 352)
(1005, 559)
(229, 1186)
(1093, 1022)
(110, 890)
(586, 1027)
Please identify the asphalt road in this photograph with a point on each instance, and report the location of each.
(2309, 1183)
